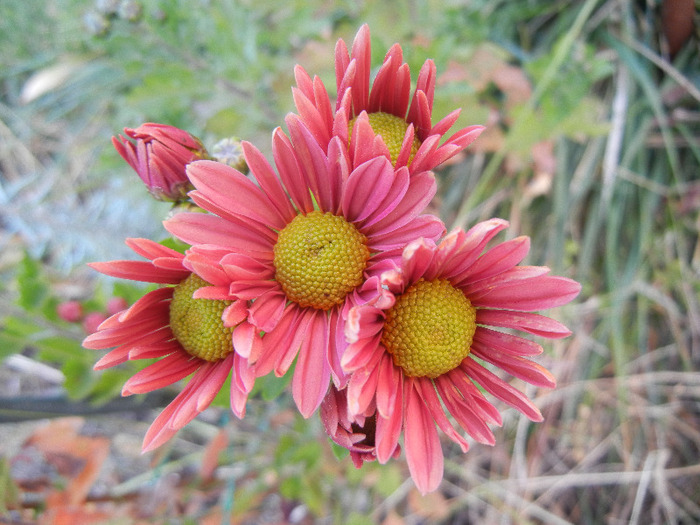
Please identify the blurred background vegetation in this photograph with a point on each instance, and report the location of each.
(592, 149)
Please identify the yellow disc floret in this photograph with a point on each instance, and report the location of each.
(430, 328)
(319, 258)
(197, 324)
(392, 129)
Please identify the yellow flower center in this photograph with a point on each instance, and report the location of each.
(319, 258)
(392, 129)
(197, 324)
(430, 328)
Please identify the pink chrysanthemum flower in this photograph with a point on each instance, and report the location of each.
(378, 120)
(158, 153)
(302, 245)
(357, 433)
(190, 326)
(421, 345)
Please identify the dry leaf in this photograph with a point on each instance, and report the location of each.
(210, 460)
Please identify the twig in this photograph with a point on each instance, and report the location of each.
(592, 479)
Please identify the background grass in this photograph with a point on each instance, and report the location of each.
(592, 150)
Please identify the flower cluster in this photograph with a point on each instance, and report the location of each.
(325, 259)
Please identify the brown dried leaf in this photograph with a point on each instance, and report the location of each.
(513, 83)
(75, 457)
(210, 460)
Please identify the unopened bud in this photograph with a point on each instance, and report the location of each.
(70, 311)
(228, 151)
(159, 154)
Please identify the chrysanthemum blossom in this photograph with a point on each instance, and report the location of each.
(189, 325)
(158, 153)
(381, 119)
(420, 349)
(356, 434)
(304, 244)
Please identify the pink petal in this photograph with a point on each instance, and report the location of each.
(235, 313)
(304, 82)
(389, 429)
(423, 450)
(336, 347)
(365, 145)
(212, 377)
(464, 414)
(396, 193)
(427, 392)
(240, 267)
(361, 389)
(445, 123)
(232, 191)
(471, 244)
(312, 373)
(421, 191)
(406, 147)
(416, 260)
(498, 259)
(388, 384)
(313, 161)
(267, 311)
(473, 397)
(152, 250)
(160, 431)
(425, 226)
(421, 119)
(246, 338)
(115, 357)
(152, 351)
(538, 293)
(363, 322)
(506, 343)
(357, 355)
(131, 332)
(366, 188)
(239, 234)
(140, 271)
(527, 322)
(242, 381)
(361, 54)
(291, 173)
(280, 346)
(501, 390)
(212, 293)
(162, 373)
(147, 302)
(310, 114)
(519, 367)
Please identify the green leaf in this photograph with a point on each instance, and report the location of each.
(270, 386)
(57, 349)
(108, 385)
(79, 378)
(33, 291)
(175, 244)
(10, 344)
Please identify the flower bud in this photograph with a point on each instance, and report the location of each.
(70, 311)
(229, 151)
(159, 154)
(357, 434)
